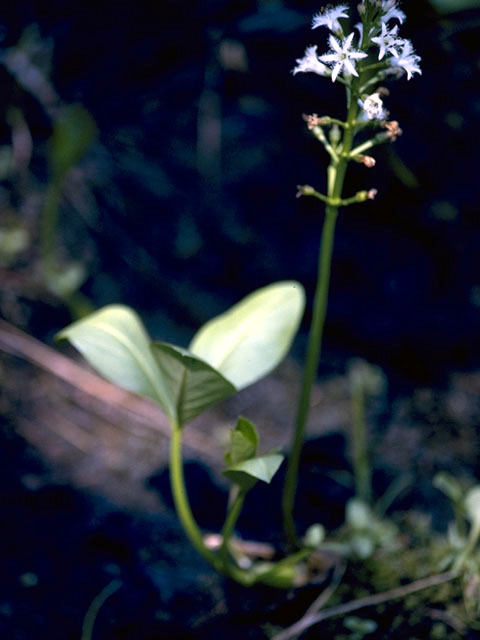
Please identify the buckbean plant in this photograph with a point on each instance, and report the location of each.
(237, 348)
(373, 52)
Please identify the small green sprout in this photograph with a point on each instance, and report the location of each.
(226, 355)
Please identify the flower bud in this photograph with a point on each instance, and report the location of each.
(312, 120)
(368, 161)
(335, 135)
(305, 190)
(393, 130)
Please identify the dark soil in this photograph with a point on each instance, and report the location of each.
(65, 542)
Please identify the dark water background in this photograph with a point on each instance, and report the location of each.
(201, 146)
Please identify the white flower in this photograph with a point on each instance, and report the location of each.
(329, 18)
(407, 61)
(342, 57)
(310, 63)
(391, 11)
(387, 41)
(373, 107)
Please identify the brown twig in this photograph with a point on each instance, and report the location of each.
(327, 593)
(445, 617)
(17, 343)
(21, 345)
(393, 594)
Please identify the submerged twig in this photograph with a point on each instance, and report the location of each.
(393, 594)
(21, 345)
(448, 619)
(327, 593)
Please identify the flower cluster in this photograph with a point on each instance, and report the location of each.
(361, 60)
(376, 34)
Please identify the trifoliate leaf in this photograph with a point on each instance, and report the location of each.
(193, 385)
(244, 442)
(246, 473)
(250, 339)
(472, 504)
(115, 342)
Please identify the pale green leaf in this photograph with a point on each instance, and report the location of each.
(246, 473)
(115, 342)
(472, 505)
(361, 627)
(193, 385)
(358, 514)
(314, 536)
(65, 280)
(275, 574)
(250, 339)
(244, 442)
(449, 485)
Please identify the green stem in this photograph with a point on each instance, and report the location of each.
(180, 498)
(365, 146)
(472, 541)
(320, 135)
(374, 80)
(347, 142)
(221, 562)
(460, 519)
(380, 138)
(79, 305)
(310, 371)
(96, 605)
(307, 190)
(336, 180)
(230, 522)
(49, 226)
(363, 124)
(184, 512)
(361, 467)
(328, 121)
(375, 65)
(294, 558)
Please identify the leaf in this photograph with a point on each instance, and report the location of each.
(247, 473)
(472, 505)
(244, 442)
(360, 626)
(63, 281)
(314, 536)
(116, 344)
(274, 574)
(448, 485)
(250, 339)
(193, 385)
(451, 6)
(73, 133)
(358, 514)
